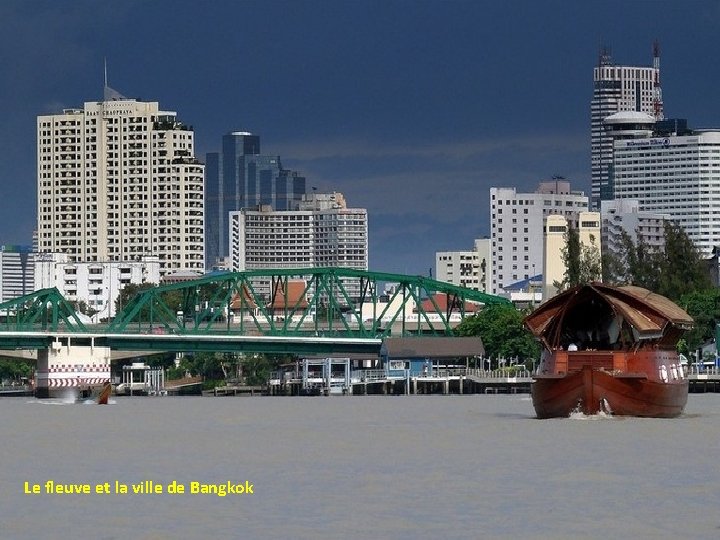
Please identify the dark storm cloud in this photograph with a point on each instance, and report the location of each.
(412, 109)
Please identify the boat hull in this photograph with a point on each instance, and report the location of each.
(592, 391)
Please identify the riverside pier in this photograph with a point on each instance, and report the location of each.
(333, 376)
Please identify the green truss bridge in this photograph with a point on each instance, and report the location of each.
(309, 310)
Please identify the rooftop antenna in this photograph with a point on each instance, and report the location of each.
(657, 91)
(109, 94)
(605, 56)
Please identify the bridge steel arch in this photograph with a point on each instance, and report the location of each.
(45, 310)
(301, 302)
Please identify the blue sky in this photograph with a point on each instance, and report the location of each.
(412, 109)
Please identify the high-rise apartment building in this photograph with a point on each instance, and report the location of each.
(615, 89)
(517, 221)
(322, 232)
(118, 180)
(469, 269)
(240, 177)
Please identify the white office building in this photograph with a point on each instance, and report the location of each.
(618, 88)
(323, 232)
(678, 176)
(517, 222)
(97, 284)
(470, 269)
(623, 216)
(118, 181)
(17, 272)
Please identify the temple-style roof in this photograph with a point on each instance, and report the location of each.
(443, 304)
(293, 298)
(600, 313)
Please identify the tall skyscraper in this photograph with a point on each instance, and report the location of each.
(118, 180)
(615, 89)
(240, 177)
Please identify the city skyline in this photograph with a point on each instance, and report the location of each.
(413, 110)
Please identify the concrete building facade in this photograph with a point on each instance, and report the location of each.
(555, 242)
(624, 216)
(618, 88)
(322, 232)
(241, 177)
(517, 224)
(97, 284)
(118, 181)
(677, 176)
(17, 271)
(469, 269)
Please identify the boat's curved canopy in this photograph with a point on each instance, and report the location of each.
(604, 317)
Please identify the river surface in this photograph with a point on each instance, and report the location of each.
(407, 467)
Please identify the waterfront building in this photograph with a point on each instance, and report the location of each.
(555, 242)
(469, 269)
(677, 175)
(117, 180)
(17, 271)
(241, 177)
(618, 88)
(97, 284)
(322, 232)
(517, 222)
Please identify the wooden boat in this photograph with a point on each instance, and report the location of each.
(609, 349)
(104, 395)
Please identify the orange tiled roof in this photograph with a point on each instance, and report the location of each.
(246, 303)
(295, 296)
(441, 299)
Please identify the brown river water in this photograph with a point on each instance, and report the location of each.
(474, 466)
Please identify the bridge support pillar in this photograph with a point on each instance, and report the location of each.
(64, 366)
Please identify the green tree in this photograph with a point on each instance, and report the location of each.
(583, 263)
(682, 268)
(673, 271)
(13, 369)
(128, 292)
(704, 308)
(500, 326)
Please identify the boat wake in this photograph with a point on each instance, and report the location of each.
(604, 414)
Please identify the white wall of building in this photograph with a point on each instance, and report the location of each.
(624, 216)
(618, 88)
(517, 223)
(323, 233)
(678, 176)
(555, 242)
(17, 272)
(96, 283)
(469, 269)
(118, 180)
